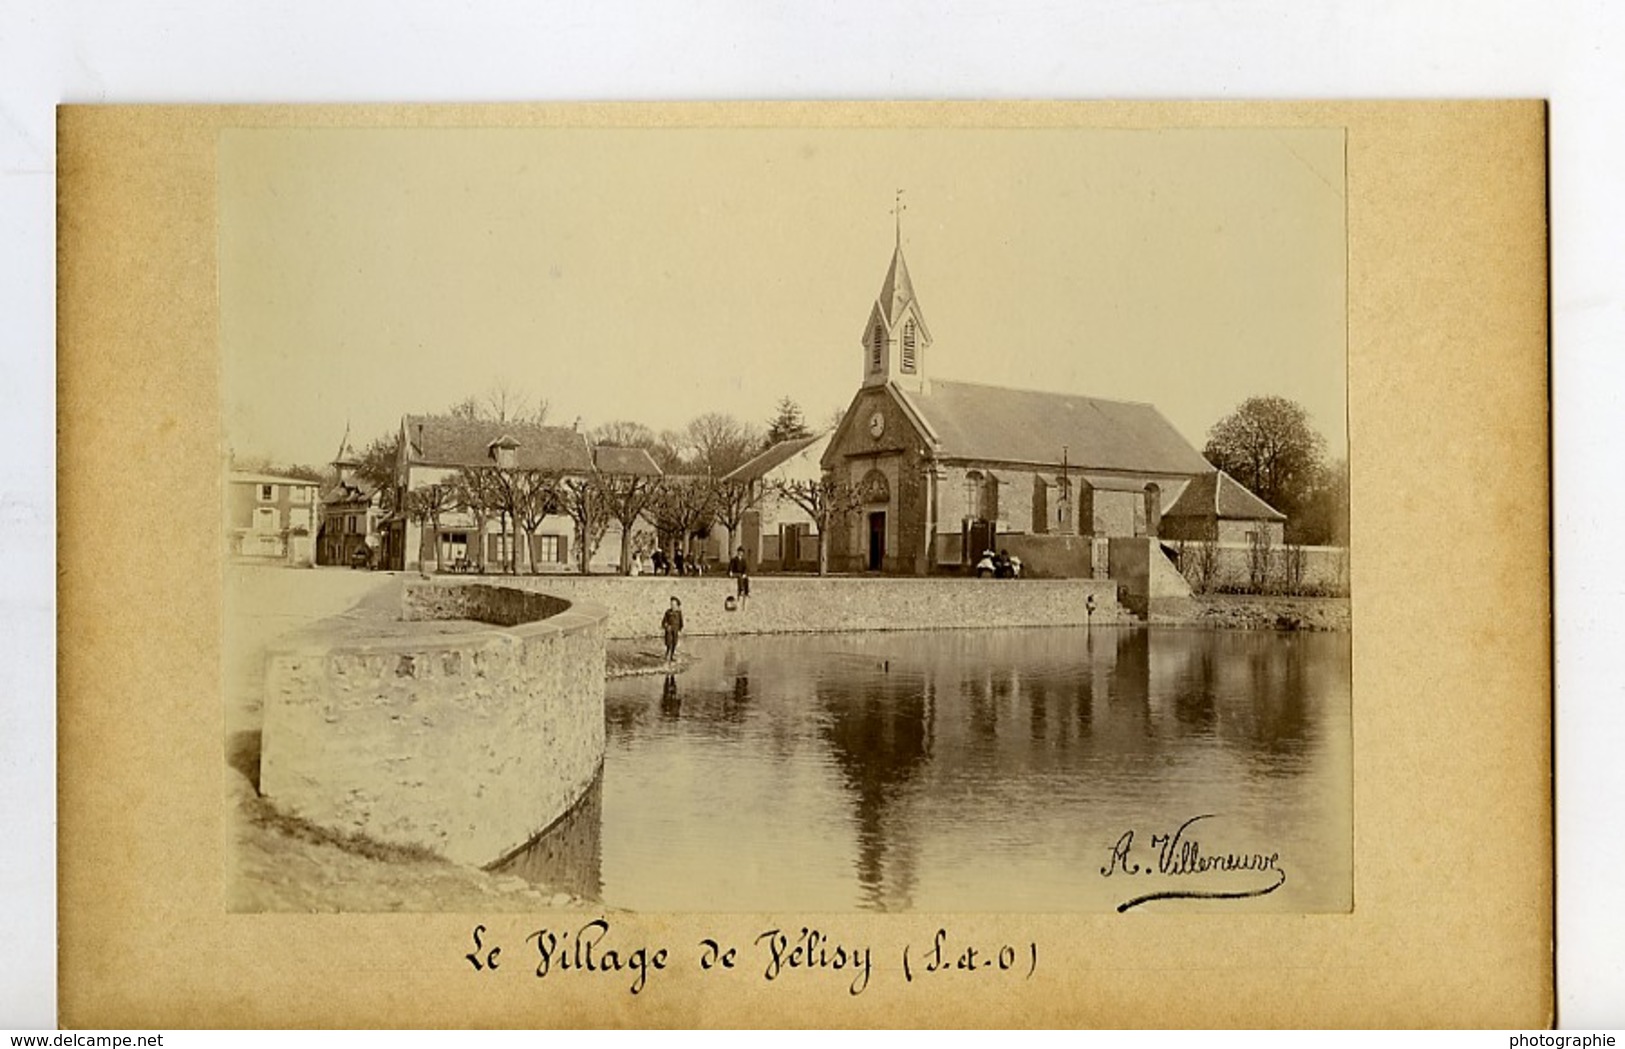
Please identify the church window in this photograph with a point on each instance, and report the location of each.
(908, 347)
(876, 349)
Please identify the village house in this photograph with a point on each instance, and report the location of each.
(435, 450)
(949, 469)
(777, 534)
(270, 517)
(353, 510)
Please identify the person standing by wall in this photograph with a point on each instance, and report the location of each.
(671, 625)
(739, 568)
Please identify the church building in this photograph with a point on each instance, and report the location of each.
(948, 469)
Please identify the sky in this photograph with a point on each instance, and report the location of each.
(655, 274)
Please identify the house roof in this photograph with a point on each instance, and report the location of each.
(1218, 495)
(625, 462)
(974, 421)
(766, 462)
(352, 491)
(446, 440)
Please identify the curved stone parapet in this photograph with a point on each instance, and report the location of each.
(466, 728)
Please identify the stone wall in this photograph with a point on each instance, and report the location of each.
(1144, 573)
(1229, 566)
(463, 738)
(1051, 556)
(809, 604)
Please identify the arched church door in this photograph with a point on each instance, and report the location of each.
(877, 540)
(877, 496)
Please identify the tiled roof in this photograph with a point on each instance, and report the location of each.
(445, 440)
(766, 462)
(1218, 495)
(625, 462)
(352, 491)
(973, 421)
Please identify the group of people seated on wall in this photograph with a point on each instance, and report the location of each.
(999, 565)
(659, 564)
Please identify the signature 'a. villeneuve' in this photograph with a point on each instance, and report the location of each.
(1181, 855)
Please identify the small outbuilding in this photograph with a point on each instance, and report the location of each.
(1215, 506)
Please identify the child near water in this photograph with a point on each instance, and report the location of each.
(671, 625)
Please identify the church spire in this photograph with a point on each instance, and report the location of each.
(895, 337)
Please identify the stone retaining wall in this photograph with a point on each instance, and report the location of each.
(467, 740)
(808, 604)
(1231, 565)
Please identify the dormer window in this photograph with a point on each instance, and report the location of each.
(877, 349)
(908, 347)
(505, 452)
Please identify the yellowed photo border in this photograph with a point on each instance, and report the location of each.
(1452, 922)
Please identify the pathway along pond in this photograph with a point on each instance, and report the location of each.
(968, 771)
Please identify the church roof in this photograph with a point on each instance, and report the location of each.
(624, 462)
(897, 291)
(974, 421)
(448, 440)
(1218, 495)
(766, 462)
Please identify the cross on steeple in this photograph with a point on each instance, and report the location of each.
(897, 209)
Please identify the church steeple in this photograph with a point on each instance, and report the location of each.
(895, 338)
(344, 464)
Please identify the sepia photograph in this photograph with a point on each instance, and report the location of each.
(820, 519)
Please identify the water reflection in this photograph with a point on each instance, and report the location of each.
(967, 770)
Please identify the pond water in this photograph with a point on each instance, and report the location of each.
(969, 771)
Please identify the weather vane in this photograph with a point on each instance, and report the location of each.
(897, 209)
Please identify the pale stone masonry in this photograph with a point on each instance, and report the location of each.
(460, 738)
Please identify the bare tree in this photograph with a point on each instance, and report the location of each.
(476, 492)
(505, 493)
(1199, 563)
(538, 495)
(682, 507)
(1261, 561)
(721, 442)
(584, 502)
(827, 501)
(671, 452)
(732, 500)
(626, 497)
(624, 433)
(507, 401)
(425, 505)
